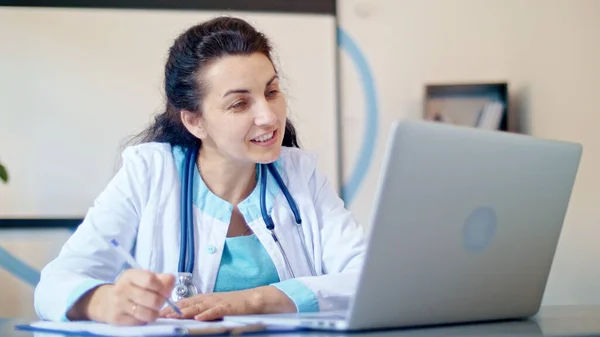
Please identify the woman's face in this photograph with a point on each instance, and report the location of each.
(244, 112)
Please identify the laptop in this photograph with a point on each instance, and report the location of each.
(464, 228)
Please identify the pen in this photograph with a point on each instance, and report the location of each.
(131, 261)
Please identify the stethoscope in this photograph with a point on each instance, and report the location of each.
(184, 287)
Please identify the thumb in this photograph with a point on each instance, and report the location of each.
(168, 282)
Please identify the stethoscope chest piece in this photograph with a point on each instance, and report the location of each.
(184, 287)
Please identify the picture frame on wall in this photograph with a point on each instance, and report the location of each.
(480, 105)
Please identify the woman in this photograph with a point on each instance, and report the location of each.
(224, 105)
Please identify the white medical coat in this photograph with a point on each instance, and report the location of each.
(140, 208)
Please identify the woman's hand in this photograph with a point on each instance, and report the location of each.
(213, 306)
(135, 299)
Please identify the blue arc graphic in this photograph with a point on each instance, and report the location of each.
(18, 268)
(365, 155)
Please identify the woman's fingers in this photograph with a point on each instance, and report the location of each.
(168, 282)
(145, 298)
(181, 304)
(164, 313)
(190, 311)
(168, 311)
(139, 312)
(117, 313)
(208, 307)
(136, 298)
(145, 280)
(139, 295)
(125, 320)
(211, 314)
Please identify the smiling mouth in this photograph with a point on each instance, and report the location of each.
(264, 138)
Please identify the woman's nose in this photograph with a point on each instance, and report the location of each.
(266, 116)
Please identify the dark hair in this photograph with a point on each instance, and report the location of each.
(190, 53)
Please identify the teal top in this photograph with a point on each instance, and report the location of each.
(245, 263)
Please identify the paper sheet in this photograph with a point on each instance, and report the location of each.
(161, 327)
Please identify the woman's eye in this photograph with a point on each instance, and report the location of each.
(272, 93)
(238, 105)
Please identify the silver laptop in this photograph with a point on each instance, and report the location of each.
(464, 228)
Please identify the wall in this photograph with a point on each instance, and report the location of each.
(548, 50)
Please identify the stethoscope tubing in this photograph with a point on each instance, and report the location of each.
(187, 257)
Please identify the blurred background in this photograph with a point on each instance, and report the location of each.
(77, 78)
